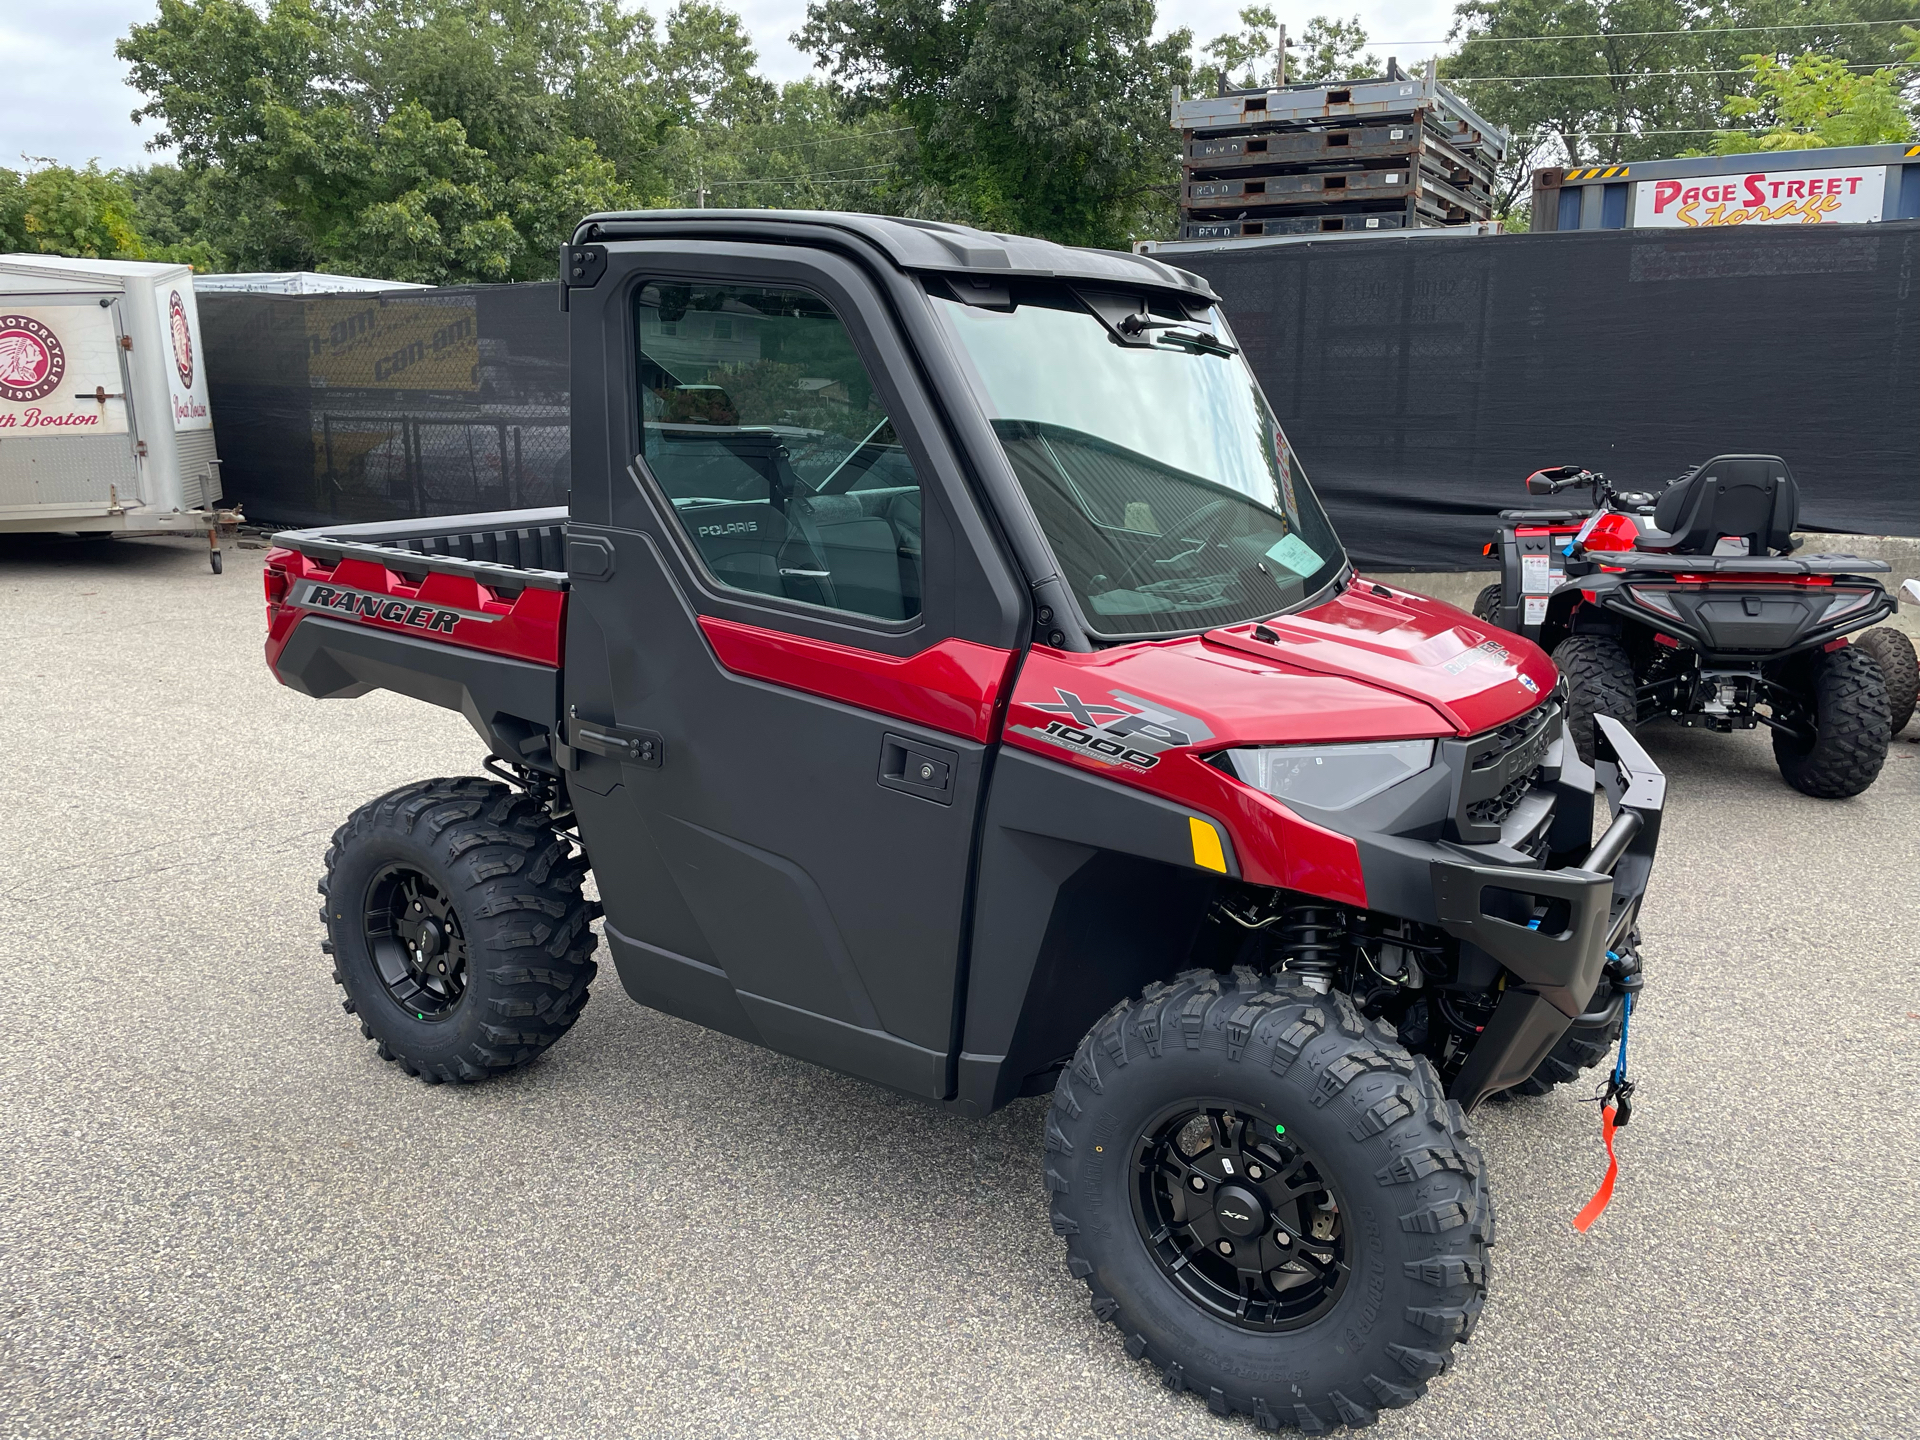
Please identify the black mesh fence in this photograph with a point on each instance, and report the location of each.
(1420, 380)
(388, 405)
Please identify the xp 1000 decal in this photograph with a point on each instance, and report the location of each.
(1121, 729)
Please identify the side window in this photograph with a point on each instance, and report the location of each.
(765, 431)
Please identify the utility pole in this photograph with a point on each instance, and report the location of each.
(699, 186)
(1280, 70)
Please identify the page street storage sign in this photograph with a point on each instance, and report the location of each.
(1762, 197)
(56, 362)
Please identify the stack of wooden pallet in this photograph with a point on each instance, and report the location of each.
(1360, 155)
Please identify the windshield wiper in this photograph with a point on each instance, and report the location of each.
(1179, 333)
(1197, 342)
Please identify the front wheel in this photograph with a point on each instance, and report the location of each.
(1600, 681)
(457, 929)
(1486, 605)
(1272, 1200)
(1842, 725)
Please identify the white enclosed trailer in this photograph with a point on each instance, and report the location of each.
(104, 423)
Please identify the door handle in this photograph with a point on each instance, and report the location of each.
(916, 768)
(622, 743)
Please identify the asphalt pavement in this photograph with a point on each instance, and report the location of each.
(222, 1215)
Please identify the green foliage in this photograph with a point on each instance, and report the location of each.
(1631, 94)
(57, 210)
(1814, 101)
(426, 140)
(453, 140)
(1047, 117)
(1328, 49)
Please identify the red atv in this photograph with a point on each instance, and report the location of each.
(950, 678)
(1690, 606)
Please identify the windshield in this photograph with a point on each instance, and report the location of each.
(1170, 496)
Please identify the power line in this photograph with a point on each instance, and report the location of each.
(1641, 74)
(1649, 34)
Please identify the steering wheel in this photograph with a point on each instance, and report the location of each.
(1203, 515)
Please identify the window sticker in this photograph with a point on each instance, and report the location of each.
(1296, 555)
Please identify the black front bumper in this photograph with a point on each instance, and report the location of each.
(1591, 908)
(1526, 891)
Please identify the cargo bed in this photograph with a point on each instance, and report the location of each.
(463, 611)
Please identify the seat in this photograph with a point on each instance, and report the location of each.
(861, 552)
(1747, 497)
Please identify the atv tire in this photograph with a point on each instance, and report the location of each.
(457, 928)
(1577, 1051)
(1486, 605)
(1599, 682)
(1846, 698)
(1375, 1173)
(1893, 652)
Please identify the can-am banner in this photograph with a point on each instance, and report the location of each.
(1762, 197)
(60, 371)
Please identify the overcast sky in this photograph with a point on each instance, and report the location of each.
(66, 96)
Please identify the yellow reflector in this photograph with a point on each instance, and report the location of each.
(1207, 853)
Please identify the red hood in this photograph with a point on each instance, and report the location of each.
(1473, 675)
(1361, 667)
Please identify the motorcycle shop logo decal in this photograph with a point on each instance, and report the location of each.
(1121, 730)
(32, 364)
(182, 339)
(363, 606)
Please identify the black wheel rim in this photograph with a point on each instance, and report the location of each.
(1239, 1216)
(413, 935)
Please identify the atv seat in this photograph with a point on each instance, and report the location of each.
(1738, 497)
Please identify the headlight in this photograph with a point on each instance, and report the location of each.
(1331, 777)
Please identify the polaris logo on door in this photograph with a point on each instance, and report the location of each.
(738, 527)
(363, 606)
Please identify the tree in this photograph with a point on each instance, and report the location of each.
(1328, 49)
(1047, 117)
(1623, 80)
(57, 210)
(1814, 101)
(425, 140)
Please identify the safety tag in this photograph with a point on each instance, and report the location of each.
(1616, 1109)
(1536, 608)
(1590, 1212)
(1534, 576)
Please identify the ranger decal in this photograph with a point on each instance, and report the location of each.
(312, 595)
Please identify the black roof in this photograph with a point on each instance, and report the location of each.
(922, 245)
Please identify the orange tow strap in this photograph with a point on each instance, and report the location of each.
(1591, 1211)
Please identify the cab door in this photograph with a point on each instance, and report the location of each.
(789, 638)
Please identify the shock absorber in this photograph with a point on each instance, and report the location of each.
(1312, 944)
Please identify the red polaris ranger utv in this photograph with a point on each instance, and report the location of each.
(950, 678)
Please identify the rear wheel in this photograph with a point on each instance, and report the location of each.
(1599, 682)
(1272, 1200)
(457, 928)
(1842, 724)
(1893, 652)
(1486, 605)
